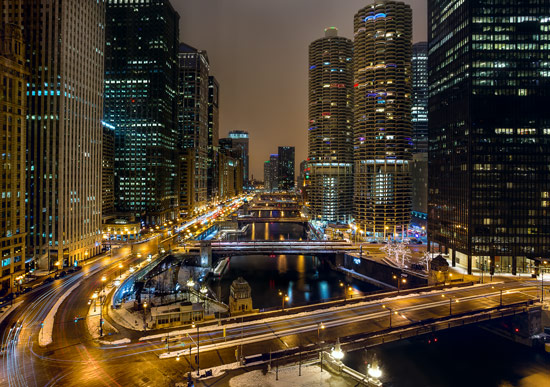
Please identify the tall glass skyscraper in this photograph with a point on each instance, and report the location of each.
(489, 180)
(382, 117)
(420, 97)
(286, 168)
(193, 119)
(141, 83)
(240, 140)
(213, 137)
(330, 134)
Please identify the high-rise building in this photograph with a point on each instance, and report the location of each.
(382, 117)
(286, 173)
(489, 133)
(213, 137)
(64, 132)
(420, 97)
(274, 175)
(194, 114)
(419, 165)
(330, 135)
(141, 84)
(240, 141)
(187, 182)
(13, 111)
(108, 171)
(267, 175)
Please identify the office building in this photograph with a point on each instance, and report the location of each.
(419, 165)
(240, 140)
(141, 84)
(286, 168)
(13, 111)
(420, 97)
(489, 133)
(274, 173)
(64, 132)
(193, 121)
(213, 138)
(382, 118)
(108, 171)
(330, 134)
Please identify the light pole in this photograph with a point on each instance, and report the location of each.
(391, 312)
(451, 303)
(319, 327)
(284, 297)
(120, 270)
(400, 279)
(542, 281)
(145, 316)
(198, 349)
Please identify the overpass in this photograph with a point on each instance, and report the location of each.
(367, 323)
(280, 247)
(269, 219)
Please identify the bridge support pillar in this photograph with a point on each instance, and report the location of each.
(206, 254)
(492, 265)
(514, 265)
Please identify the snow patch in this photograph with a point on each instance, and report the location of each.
(46, 332)
(116, 342)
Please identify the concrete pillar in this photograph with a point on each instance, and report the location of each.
(453, 254)
(492, 265)
(206, 254)
(469, 264)
(514, 265)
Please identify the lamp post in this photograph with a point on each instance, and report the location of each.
(198, 349)
(203, 291)
(284, 297)
(391, 312)
(542, 281)
(451, 303)
(319, 327)
(400, 279)
(120, 270)
(145, 316)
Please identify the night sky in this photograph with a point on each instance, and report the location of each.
(258, 50)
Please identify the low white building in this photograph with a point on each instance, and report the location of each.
(175, 314)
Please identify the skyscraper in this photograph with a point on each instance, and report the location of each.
(213, 137)
(267, 175)
(419, 165)
(382, 117)
(286, 168)
(141, 83)
(240, 141)
(193, 113)
(64, 133)
(13, 111)
(330, 135)
(420, 97)
(108, 171)
(274, 163)
(489, 181)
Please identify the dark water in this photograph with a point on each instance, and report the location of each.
(272, 232)
(306, 279)
(468, 356)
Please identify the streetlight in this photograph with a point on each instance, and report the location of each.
(542, 281)
(283, 299)
(145, 316)
(391, 312)
(203, 291)
(451, 303)
(119, 270)
(319, 327)
(337, 352)
(400, 280)
(198, 349)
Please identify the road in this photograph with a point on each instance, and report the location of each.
(74, 360)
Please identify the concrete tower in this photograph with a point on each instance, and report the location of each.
(65, 55)
(382, 117)
(330, 127)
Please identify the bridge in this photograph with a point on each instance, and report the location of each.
(263, 219)
(278, 247)
(367, 321)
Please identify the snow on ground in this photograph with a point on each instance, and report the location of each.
(46, 332)
(288, 377)
(92, 322)
(8, 309)
(124, 317)
(116, 342)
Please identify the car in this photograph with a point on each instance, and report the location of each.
(26, 289)
(63, 274)
(71, 269)
(78, 268)
(48, 280)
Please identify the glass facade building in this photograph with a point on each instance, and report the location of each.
(141, 83)
(193, 119)
(240, 140)
(213, 137)
(489, 133)
(382, 117)
(330, 133)
(286, 168)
